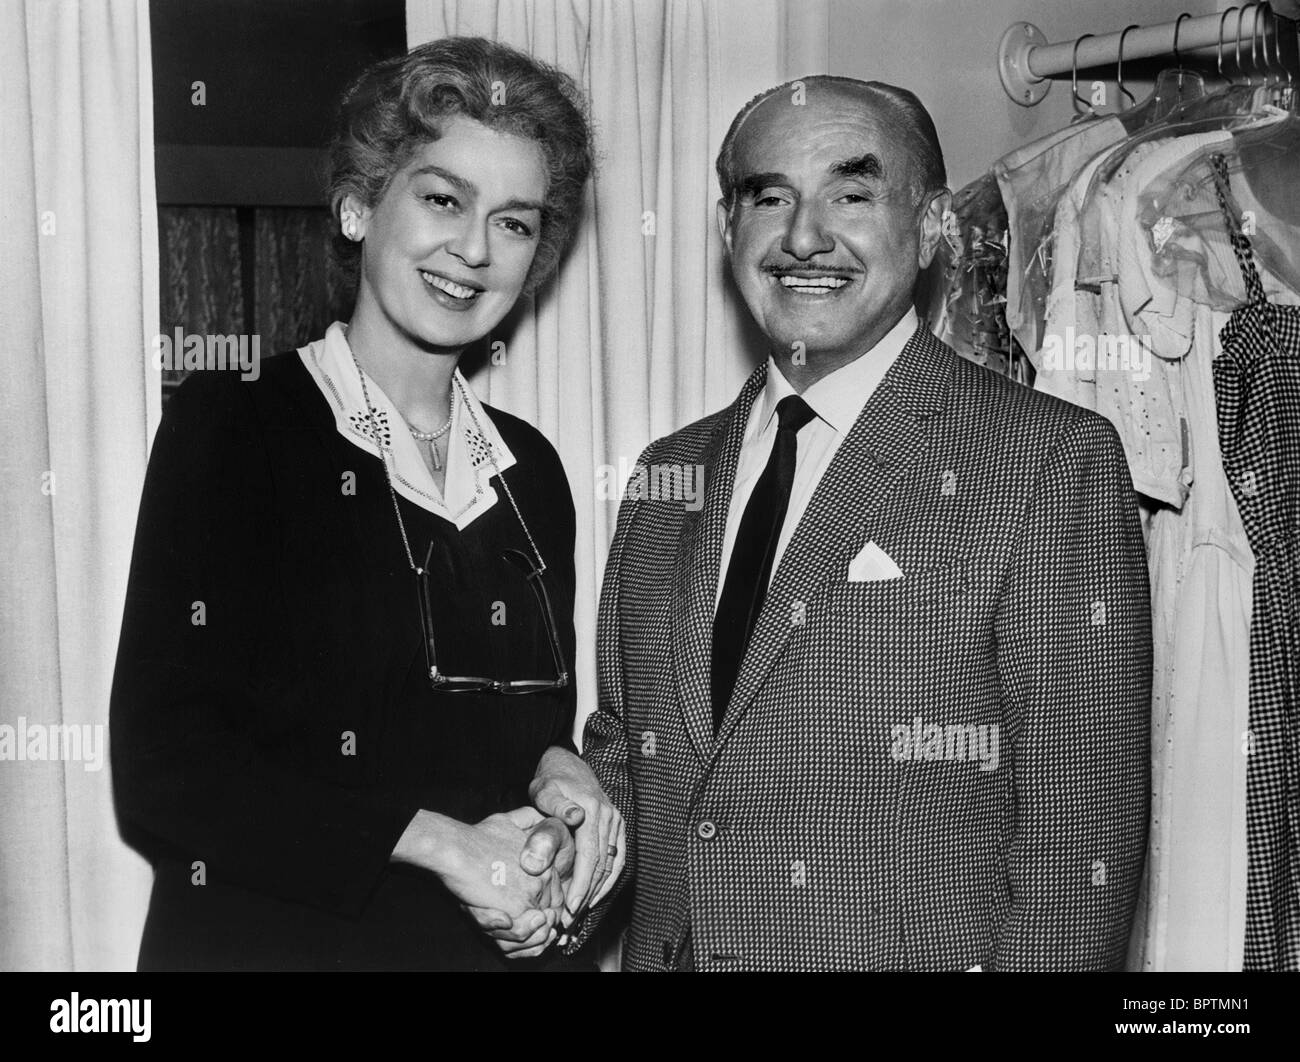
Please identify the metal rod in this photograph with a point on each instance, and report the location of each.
(1046, 60)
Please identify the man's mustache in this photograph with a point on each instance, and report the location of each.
(804, 270)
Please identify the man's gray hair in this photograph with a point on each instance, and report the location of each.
(902, 110)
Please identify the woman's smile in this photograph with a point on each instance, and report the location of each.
(448, 293)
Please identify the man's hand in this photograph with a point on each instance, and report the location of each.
(566, 789)
(549, 844)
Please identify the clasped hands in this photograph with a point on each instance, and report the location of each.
(550, 862)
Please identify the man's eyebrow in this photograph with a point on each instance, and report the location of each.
(753, 183)
(867, 165)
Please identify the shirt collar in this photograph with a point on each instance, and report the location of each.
(839, 397)
(472, 445)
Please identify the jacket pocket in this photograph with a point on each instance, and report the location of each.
(946, 583)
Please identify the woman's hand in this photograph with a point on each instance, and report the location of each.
(522, 938)
(566, 788)
(549, 846)
(484, 867)
(481, 866)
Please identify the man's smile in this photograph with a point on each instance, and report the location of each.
(809, 283)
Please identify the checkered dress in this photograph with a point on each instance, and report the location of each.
(825, 827)
(1257, 387)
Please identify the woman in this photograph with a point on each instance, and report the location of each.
(349, 622)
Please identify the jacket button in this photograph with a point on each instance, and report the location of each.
(706, 830)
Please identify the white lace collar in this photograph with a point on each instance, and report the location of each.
(468, 494)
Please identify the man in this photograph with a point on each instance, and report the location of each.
(883, 702)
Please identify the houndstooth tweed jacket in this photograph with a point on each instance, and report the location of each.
(933, 772)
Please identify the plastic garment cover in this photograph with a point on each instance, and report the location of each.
(1032, 180)
(972, 312)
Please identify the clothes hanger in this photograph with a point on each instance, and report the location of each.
(1189, 84)
(1273, 69)
(1269, 159)
(1265, 75)
(1178, 57)
(1295, 89)
(1236, 96)
(1119, 67)
(1264, 171)
(1268, 74)
(1222, 109)
(1235, 105)
(1173, 86)
(1287, 97)
(1293, 97)
(1088, 111)
(1282, 91)
(1236, 50)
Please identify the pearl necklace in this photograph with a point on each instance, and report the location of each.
(431, 437)
(392, 494)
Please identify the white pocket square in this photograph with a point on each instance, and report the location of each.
(873, 565)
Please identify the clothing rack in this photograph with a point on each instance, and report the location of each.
(1026, 60)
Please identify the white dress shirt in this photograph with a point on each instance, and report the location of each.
(837, 399)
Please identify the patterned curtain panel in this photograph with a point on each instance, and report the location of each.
(201, 288)
(212, 255)
(298, 293)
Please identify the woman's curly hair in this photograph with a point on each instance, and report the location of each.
(394, 107)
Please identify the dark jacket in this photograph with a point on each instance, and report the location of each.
(272, 728)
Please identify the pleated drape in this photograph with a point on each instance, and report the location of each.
(79, 404)
(641, 333)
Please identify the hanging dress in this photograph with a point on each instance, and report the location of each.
(1257, 388)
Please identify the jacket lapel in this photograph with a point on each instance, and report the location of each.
(695, 579)
(889, 437)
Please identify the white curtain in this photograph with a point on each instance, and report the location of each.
(77, 409)
(642, 332)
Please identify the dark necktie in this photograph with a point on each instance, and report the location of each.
(752, 555)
